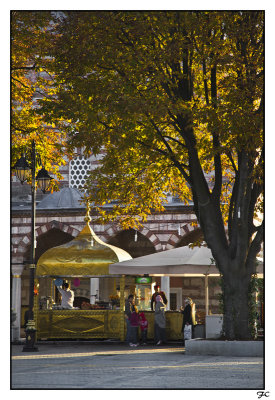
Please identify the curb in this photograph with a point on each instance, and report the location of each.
(225, 348)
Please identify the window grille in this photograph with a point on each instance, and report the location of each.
(79, 168)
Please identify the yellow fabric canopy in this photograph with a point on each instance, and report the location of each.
(86, 255)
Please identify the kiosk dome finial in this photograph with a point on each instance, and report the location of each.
(87, 217)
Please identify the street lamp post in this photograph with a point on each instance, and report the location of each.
(22, 170)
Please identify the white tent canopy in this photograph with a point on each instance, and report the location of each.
(182, 261)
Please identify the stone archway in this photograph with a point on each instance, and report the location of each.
(52, 238)
(49, 235)
(190, 235)
(134, 242)
(24, 244)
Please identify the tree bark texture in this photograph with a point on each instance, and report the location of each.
(236, 308)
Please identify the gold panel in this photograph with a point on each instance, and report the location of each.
(77, 324)
(150, 316)
(122, 330)
(114, 323)
(91, 324)
(173, 324)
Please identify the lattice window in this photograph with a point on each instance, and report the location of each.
(79, 168)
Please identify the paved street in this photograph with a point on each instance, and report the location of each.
(116, 366)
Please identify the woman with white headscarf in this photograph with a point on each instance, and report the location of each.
(187, 315)
(160, 322)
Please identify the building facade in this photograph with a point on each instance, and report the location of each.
(60, 217)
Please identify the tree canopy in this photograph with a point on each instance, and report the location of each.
(133, 83)
(173, 102)
(31, 81)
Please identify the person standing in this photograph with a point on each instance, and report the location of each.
(132, 321)
(128, 311)
(134, 324)
(157, 292)
(143, 323)
(187, 315)
(67, 295)
(160, 322)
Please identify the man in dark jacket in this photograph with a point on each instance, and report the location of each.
(187, 315)
(153, 298)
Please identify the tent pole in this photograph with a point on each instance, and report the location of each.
(165, 287)
(122, 316)
(94, 290)
(206, 294)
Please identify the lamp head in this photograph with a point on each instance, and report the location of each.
(43, 180)
(22, 169)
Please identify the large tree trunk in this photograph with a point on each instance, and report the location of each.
(236, 304)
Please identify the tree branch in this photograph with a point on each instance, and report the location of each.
(205, 82)
(176, 163)
(229, 155)
(216, 192)
(23, 68)
(21, 83)
(254, 249)
(175, 140)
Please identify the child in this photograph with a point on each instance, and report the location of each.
(143, 323)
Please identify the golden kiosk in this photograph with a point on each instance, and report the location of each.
(79, 260)
(84, 258)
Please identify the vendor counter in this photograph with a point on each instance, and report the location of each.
(78, 324)
(93, 324)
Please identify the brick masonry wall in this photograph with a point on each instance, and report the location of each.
(160, 230)
(195, 289)
(163, 235)
(164, 231)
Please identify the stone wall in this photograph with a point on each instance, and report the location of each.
(53, 229)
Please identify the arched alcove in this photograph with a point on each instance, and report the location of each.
(190, 237)
(52, 238)
(136, 248)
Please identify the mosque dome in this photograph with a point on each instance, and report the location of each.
(65, 198)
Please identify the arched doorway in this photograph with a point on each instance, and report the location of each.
(133, 242)
(53, 237)
(191, 237)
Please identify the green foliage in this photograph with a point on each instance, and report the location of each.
(255, 296)
(164, 94)
(30, 80)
